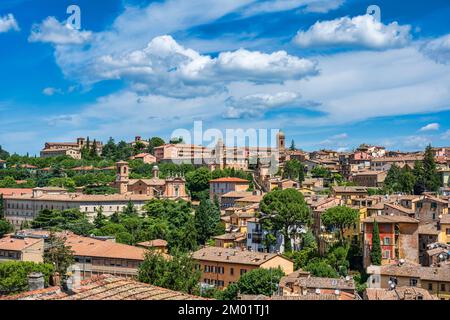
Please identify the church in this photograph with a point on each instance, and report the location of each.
(173, 187)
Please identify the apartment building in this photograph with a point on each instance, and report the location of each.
(221, 267)
(347, 194)
(221, 186)
(370, 179)
(430, 208)
(399, 238)
(436, 280)
(14, 248)
(24, 207)
(385, 163)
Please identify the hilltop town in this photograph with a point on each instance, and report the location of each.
(106, 220)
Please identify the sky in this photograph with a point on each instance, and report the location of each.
(329, 73)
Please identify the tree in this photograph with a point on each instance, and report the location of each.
(341, 218)
(3, 154)
(154, 143)
(375, 252)
(5, 227)
(109, 149)
(130, 210)
(407, 180)
(432, 182)
(14, 275)
(419, 177)
(178, 140)
(320, 172)
(392, 181)
(198, 181)
(177, 273)
(207, 218)
(292, 147)
(294, 169)
(321, 268)
(285, 212)
(59, 255)
(100, 219)
(255, 282)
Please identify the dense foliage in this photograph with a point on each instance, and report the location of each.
(176, 273)
(340, 218)
(285, 211)
(14, 275)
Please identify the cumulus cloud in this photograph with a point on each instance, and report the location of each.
(438, 49)
(256, 105)
(8, 23)
(57, 33)
(430, 127)
(360, 31)
(166, 67)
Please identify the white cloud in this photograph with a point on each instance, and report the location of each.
(446, 135)
(51, 91)
(340, 136)
(268, 6)
(52, 31)
(438, 49)
(361, 31)
(430, 127)
(8, 22)
(256, 105)
(419, 142)
(165, 67)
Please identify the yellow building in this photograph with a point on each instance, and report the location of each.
(444, 233)
(21, 249)
(347, 194)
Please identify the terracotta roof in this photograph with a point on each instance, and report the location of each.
(150, 182)
(217, 254)
(253, 198)
(229, 179)
(13, 191)
(153, 243)
(349, 189)
(414, 271)
(78, 197)
(390, 219)
(16, 244)
(106, 287)
(428, 228)
(237, 194)
(234, 236)
(399, 208)
(399, 293)
(89, 247)
(142, 155)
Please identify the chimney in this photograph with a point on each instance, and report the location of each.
(36, 281)
(155, 171)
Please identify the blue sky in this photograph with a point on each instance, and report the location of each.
(324, 71)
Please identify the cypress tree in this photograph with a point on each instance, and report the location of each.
(432, 182)
(375, 253)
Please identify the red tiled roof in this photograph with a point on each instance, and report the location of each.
(229, 179)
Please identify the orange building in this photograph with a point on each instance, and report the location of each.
(221, 267)
(221, 186)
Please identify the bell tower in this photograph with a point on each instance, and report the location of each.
(123, 171)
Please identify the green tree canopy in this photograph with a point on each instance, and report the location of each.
(285, 211)
(341, 218)
(177, 273)
(14, 275)
(58, 255)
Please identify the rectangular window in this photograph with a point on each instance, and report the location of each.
(232, 271)
(386, 254)
(387, 241)
(243, 271)
(443, 287)
(413, 282)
